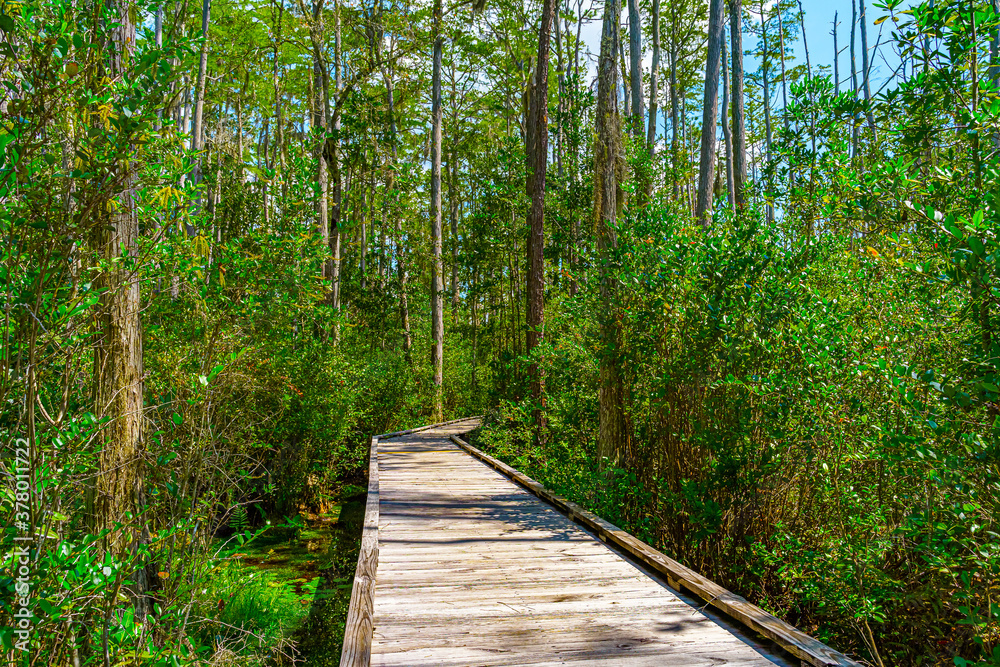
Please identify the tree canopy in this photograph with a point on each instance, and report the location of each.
(739, 303)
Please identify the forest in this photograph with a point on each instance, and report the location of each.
(722, 277)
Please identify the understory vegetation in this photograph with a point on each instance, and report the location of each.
(239, 239)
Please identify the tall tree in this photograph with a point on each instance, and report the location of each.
(336, 211)
(866, 71)
(392, 193)
(612, 437)
(118, 362)
(675, 137)
(764, 59)
(781, 58)
(738, 119)
(198, 132)
(537, 151)
(319, 130)
(654, 80)
(437, 267)
(726, 130)
(638, 110)
(836, 58)
(706, 169)
(855, 133)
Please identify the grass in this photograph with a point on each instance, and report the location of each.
(283, 597)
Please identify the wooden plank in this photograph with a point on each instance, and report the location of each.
(788, 637)
(628, 649)
(356, 651)
(396, 434)
(468, 564)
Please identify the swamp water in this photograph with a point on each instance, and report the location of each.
(294, 585)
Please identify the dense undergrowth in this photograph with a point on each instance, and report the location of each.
(199, 334)
(809, 429)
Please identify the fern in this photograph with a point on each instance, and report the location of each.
(239, 521)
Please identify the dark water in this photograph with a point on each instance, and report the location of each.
(326, 548)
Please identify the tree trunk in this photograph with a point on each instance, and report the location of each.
(319, 130)
(538, 134)
(781, 56)
(437, 286)
(336, 212)
(404, 307)
(711, 109)
(560, 101)
(675, 146)
(362, 227)
(453, 202)
(739, 129)
(855, 134)
(612, 438)
(866, 70)
(769, 210)
(726, 130)
(635, 68)
(654, 76)
(836, 58)
(453, 220)
(118, 363)
(199, 104)
(994, 71)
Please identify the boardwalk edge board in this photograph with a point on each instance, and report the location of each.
(359, 628)
(397, 434)
(808, 649)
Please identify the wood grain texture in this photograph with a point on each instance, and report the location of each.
(791, 639)
(357, 648)
(474, 570)
(356, 651)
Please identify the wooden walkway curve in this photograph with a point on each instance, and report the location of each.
(462, 567)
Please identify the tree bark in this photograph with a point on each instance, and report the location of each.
(781, 56)
(635, 69)
(769, 210)
(675, 146)
(453, 205)
(118, 363)
(855, 133)
(538, 133)
(404, 308)
(319, 130)
(726, 130)
(866, 70)
(437, 286)
(739, 129)
(711, 109)
(453, 202)
(199, 104)
(336, 211)
(836, 58)
(654, 76)
(612, 438)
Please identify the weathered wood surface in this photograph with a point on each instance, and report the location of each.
(793, 640)
(473, 570)
(356, 651)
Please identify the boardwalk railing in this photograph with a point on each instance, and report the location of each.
(796, 642)
(358, 631)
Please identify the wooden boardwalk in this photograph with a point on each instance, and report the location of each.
(473, 570)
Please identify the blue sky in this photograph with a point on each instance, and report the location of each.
(818, 25)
